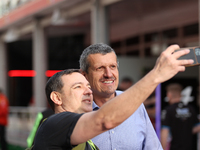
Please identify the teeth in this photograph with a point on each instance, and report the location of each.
(108, 81)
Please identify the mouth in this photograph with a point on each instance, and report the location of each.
(108, 82)
(88, 101)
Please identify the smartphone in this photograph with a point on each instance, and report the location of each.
(193, 54)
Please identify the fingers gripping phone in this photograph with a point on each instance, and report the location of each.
(193, 54)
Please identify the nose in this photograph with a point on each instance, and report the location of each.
(88, 91)
(108, 72)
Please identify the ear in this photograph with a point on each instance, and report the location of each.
(83, 73)
(56, 98)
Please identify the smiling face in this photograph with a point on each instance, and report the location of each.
(103, 74)
(76, 94)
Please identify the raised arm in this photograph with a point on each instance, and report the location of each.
(115, 111)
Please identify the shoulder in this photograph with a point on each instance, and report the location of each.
(58, 125)
(169, 110)
(61, 120)
(65, 115)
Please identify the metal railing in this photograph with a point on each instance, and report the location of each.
(20, 123)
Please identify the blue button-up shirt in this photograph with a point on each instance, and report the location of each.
(135, 133)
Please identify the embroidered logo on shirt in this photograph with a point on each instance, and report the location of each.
(183, 113)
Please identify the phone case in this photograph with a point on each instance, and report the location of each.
(194, 54)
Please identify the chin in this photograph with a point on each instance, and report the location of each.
(109, 91)
(87, 110)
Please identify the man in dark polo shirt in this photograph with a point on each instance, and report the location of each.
(179, 120)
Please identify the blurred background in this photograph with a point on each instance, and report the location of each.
(41, 37)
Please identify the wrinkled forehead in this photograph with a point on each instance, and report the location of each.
(98, 59)
(74, 78)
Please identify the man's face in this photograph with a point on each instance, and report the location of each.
(173, 96)
(76, 93)
(103, 74)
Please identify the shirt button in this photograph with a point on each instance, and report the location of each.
(115, 149)
(113, 132)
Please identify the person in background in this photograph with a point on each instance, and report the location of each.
(179, 121)
(4, 110)
(149, 104)
(99, 65)
(125, 83)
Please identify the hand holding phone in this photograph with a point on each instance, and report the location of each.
(193, 54)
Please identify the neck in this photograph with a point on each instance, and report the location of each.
(100, 100)
(175, 100)
(59, 109)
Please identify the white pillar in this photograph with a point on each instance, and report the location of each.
(39, 65)
(3, 67)
(99, 23)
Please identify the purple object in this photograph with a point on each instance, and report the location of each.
(158, 110)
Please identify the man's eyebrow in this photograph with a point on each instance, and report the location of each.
(76, 83)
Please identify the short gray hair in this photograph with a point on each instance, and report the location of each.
(99, 48)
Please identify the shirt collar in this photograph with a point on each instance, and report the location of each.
(96, 107)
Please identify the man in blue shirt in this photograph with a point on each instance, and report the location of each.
(99, 65)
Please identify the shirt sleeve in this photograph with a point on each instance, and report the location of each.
(56, 131)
